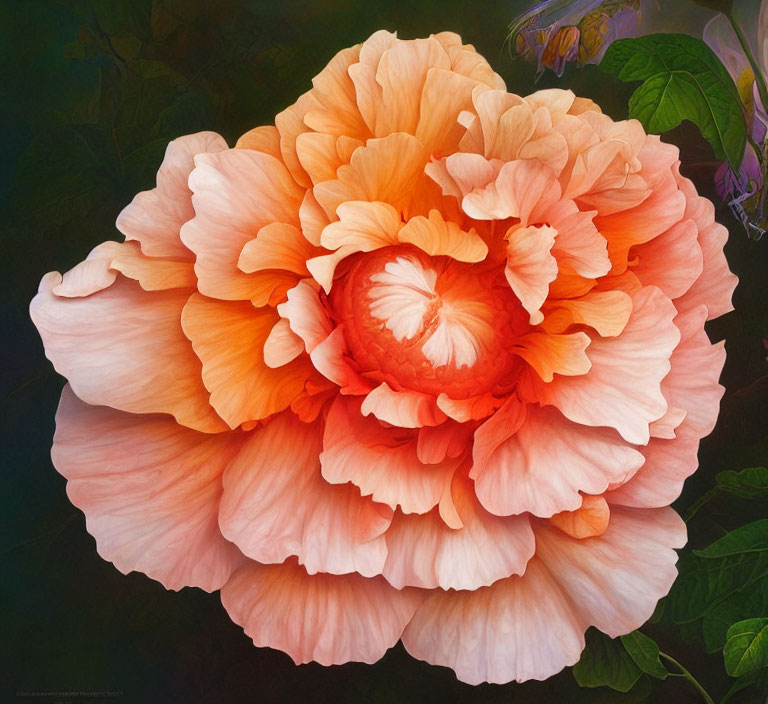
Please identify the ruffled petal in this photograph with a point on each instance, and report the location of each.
(323, 618)
(154, 218)
(163, 519)
(116, 348)
(614, 580)
(276, 504)
(229, 338)
(542, 466)
(519, 628)
(383, 462)
(622, 390)
(422, 551)
(236, 193)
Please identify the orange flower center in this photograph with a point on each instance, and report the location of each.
(430, 324)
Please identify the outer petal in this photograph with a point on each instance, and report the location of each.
(519, 628)
(322, 618)
(124, 347)
(622, 389)
(668, 463)
(155, 217)
(276, 504)
(543, 467)
(150, 491)
(382, 462)
(422, 551)
(614, 580)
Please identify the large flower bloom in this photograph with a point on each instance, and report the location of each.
(423, 361)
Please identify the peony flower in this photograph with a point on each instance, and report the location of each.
(425, 361)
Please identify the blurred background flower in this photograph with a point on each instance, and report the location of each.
(555, 33)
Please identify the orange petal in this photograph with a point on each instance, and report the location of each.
(587, 521)
(229, 338)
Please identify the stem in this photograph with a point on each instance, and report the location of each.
(693, 510)
(689, 677)
(759, 78)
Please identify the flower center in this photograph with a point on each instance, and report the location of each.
(429, 323)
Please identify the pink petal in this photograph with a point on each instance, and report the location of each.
(544, 465)
(117, 346)
(323, 618)
(276, 504)
(622, 390)
(615, 580)
(519, 628)
(150, 491)
(668, 463)
(530, 267)
(422, 551)
(382, 462)
(672, 261)
(155, 217)
(405, 409)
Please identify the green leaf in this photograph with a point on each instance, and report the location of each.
(751, 483)
(605, 662)
(645, 654)
(746, 649)
(751, 538)
(683, 80)
(732, 565)
(737, 607)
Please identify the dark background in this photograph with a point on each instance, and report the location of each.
(90, 94)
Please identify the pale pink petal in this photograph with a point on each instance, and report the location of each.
(544, 465)
(615, 580)
(276, 504)
(93, 274)
(323, 618)
(578, 243)
(331, 359)
(692, 383)
(422, 551)
(404, 409)
(150, 491)
(382, 462)
(672, 261)
(530, 266)
(155, 217)
(306, 314)
(519, 628)
(523, 189)
(715, 286)
(151, 273)
(668, 463)
(124, 347)
(622, 390)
